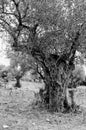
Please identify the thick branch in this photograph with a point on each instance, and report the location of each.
(71, 55)
(74, 47)
(25, 11)
(18, 11)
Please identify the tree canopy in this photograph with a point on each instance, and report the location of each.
(56, 24)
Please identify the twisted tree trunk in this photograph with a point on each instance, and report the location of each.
(57, 70)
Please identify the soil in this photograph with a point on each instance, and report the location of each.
(17, 111)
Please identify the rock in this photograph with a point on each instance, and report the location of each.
(34, 123)
(48, 121)
(5, 126)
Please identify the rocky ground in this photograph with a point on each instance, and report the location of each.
(17, 111)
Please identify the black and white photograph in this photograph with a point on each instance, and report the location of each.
(42, 64)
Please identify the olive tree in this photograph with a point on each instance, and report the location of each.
(51, 32)
(20, 63)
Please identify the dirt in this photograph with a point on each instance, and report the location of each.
(17, 111)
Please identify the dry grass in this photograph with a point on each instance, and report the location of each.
(17, 113)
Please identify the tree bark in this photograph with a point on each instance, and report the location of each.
(54, 95)
(56, 69)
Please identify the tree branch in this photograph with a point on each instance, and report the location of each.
(18, 11)
(25, 11)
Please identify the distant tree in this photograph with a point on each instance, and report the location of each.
(2, 67)
(51, 32)
(20, 63)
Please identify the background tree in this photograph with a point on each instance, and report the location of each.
(20, 63)
(51, 32)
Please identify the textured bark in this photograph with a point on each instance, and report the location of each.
(57, 69)
(54, 94)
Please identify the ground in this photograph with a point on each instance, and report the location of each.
(17, 111)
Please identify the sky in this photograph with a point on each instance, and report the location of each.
(3, 58)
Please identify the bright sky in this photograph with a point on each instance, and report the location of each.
(3, 59)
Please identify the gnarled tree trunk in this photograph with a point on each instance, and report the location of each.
(54, 94)
(57, 70)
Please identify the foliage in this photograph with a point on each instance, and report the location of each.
(20, 63)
